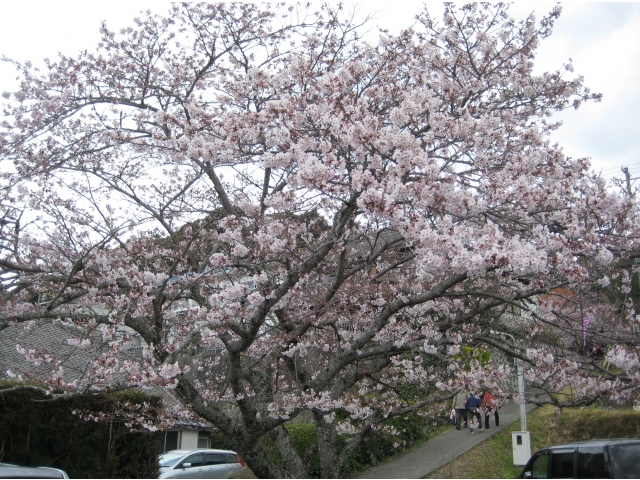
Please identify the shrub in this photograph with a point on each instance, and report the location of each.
(35, 431)
(304, 435)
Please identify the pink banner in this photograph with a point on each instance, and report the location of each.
(585, 325)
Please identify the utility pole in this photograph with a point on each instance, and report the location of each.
(635, 284)
(520, 441)
(523, 407)
(627, 176)
(628, 179)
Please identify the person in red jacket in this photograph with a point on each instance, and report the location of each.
(490, 404)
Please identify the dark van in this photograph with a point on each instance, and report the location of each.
(613, 458)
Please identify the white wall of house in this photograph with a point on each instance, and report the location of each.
(189, 439)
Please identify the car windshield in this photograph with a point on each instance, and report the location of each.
(169, 459)
(624, 460)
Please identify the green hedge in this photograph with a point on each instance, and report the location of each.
(34, 432)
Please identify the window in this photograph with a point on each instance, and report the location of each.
(203, 440)
(170, 441)
(215, 458)
(195, 460)
(169, 459)
(231, 458)
(591, 462)
(561, 465)
(623, 460)
(539, 467)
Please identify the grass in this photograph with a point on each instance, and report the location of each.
(493, 458)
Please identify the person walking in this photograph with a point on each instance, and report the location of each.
(459, 402)
(490, 404)
(473, 405)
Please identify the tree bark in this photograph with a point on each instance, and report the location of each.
(329, 462)
(292, 461)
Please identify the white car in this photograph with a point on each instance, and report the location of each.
(8, 470)
(199, 463)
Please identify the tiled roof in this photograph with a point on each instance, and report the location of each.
(52, 338)
(49, 338)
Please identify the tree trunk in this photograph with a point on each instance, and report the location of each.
(292, 461)
(329, 462)
(257, 460)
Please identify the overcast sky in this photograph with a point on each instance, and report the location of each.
(603, 39)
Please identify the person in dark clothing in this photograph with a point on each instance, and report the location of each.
(473, 405)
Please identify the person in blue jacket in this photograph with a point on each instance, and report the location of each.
(474, 402)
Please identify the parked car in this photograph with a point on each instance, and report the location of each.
(199, 463)
(8, 470)
(613, 458)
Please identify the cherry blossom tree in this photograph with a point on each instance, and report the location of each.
(300, 223)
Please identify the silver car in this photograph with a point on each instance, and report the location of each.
(199, 463)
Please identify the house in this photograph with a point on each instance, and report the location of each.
(31, 352)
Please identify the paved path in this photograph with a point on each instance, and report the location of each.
(438, 451)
